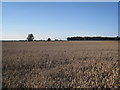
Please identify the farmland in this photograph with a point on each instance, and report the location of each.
(60, 64)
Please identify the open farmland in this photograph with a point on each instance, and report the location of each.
(73, 64)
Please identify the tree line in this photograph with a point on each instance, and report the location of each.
(31, 37)
(92, 38)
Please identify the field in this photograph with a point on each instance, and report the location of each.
(60, 64)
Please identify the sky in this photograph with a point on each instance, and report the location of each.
(58, 20)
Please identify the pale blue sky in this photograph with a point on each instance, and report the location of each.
(59, 20)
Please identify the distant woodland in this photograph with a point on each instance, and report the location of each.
(92, 38)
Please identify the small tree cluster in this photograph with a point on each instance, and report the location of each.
(30, 37)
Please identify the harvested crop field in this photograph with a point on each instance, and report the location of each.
(60, 64)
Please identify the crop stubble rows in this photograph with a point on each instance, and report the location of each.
(60, 64)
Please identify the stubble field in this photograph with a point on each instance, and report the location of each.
(77, 64)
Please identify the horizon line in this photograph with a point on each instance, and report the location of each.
(58, 39)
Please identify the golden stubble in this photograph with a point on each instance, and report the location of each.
(65, 64)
